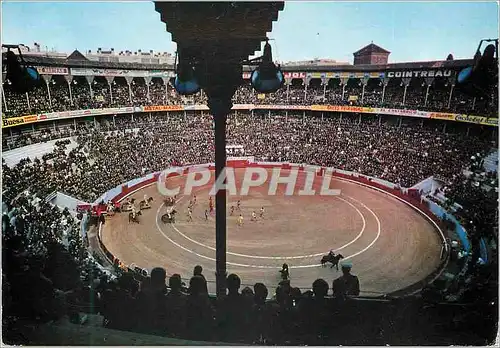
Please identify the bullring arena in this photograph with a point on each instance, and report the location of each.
(391, 244)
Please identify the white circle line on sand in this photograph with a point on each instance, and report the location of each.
(285, 257)
(270, 267)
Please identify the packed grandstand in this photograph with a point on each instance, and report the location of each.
(403, 123)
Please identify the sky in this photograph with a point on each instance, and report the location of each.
(412, 31)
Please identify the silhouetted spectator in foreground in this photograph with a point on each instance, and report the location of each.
(264, 315)
(198, 272)
(199, 313)
(152, 304)
(315, 313)
(233, 314)
(347, 284)
(176, 306)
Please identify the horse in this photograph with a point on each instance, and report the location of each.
(333, 259)
(165, 218)
(145, 204)
(131, 217)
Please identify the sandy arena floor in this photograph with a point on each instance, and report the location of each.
(390, 245)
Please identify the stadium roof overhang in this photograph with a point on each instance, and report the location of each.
(233, 29)
(216, 38)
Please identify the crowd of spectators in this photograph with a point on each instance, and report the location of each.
(109, 154)
(99, 94)
(154, 304)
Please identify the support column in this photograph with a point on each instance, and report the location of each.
(129, 80)
(451, 94)
(444, 127)
(220, 81)
(307, 80)
(288, 82)
(69, 79)
(406, 83)
(90, 79)
(364, 82)
(114, 122)
(147, 80)
(28, 100)
(473, 103)
(385, 82)
(324, 81)
(110, 80)
(379, 120)
(428, 81)
(220, 110)
(343, 82)
(468, 130)
(4, 100)
(47, 79)
(286, 116)
(165, 82)
(322, 114)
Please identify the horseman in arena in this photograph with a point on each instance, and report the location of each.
(110, 208)
(134, 211)
(331, 254)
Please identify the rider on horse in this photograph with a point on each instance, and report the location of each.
(331, 254)
(134, 211)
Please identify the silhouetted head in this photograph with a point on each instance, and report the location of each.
(261, 292)
(158, 277)
(346, 267)
(247, 291)
(320, 288)
(175, 282)
(197, 270)
(233, 283)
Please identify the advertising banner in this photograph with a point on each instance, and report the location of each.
(240, 107)
(281, 107)
(477, 120)
(316, 75)
(51, 70)
(403, 112)
(294, 75)
(340, 108)
(420, 73)
(11, 122)
(442, 116)
(163, 108)
(30, 118)
(120, 72)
